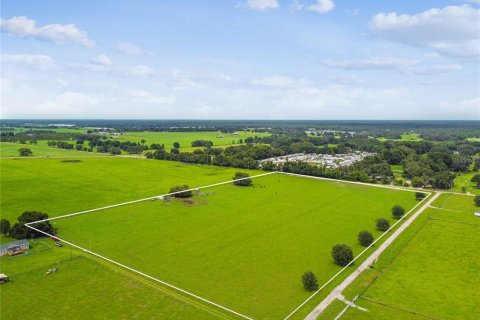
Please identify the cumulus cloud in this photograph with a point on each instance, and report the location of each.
(128, 48)
(470, 107)
(371, 63)
(452, 31)
(434, 69)
(39, 61)
(23, 27)
(322, 6)
(347, 79)
(262, 4)
(102, 60)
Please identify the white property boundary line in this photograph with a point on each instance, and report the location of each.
(28, 225)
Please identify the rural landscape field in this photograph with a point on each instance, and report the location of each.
(240, 160)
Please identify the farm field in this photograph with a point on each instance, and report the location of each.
(84, 288)
(463, 180)
(60, 186)
(244, 248)
(186, 138)
(405, 137)
(8, 149)
(431, 272)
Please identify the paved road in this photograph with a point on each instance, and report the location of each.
(370, 260)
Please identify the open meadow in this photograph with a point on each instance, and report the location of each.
(431, 272)
(242, 247)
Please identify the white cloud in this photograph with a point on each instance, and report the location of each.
(279, 82)
(128, 49)
(262, 4)
(452, 31)
(67, 104)
(151, 98)
(470, 107)
(371, 63)
(347, 79)
(24, 27)
(434, 69)
(102, 60)
(39, 61)
(322, 6)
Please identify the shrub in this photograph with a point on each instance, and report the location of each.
(365, 238)
(185, 194)
(4, 226)
(25, 152)
(310, 282)
(382, 224)
(420, 195)
(476, 200)
(342, 254)
(397, 212)
(244, 182)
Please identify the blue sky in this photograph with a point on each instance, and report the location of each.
(244, 59)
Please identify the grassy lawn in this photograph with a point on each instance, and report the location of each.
(60, 186)
(83, 288)
(463, 180)
(245, 248)
(433, 271)
(186, 138)
(8, 149)
(405, 137)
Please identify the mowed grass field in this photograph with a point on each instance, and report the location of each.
(243, 247)
(61, 186)
(8, 149)
(83, 288)
(434, 274)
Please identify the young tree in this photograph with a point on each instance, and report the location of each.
(25, 152)
(420, 195)
(176, 145)
(382, 224)
(397, 211)
(4, 226)
(310, 282)
(365, 238)
(244, 182)
(476, 179)
(342, 254)
(476, 200)
(185, 194)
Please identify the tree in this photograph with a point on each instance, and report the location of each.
(382, 224)
(20, 231)
(176, 145)
(397, 211)
(242, 175)
(310, 282)
(25, 152)
(420, 195)
(365, 238)
(342, 254)
(186, 194)
(4, 226)
(476, 179)
(476, 200)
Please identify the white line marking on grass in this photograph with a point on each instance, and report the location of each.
(142, 274)
(355, 259)
(150, 198)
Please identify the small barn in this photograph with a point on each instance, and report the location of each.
(14, 247)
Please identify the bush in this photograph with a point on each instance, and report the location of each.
(342, 254)
(244, 182)
(476, 200)
(185, 194)
(420, 195)
(25, 152)
(397, 212)
(382, 224)
(365, 238)
(4, 226)
(310, 282)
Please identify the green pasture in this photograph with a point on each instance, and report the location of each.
(463, 180)
(430, 272)
(243, 247)
(405, 137)
(83, 288)
(61, 186)
(186, 138)
(8, 149)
